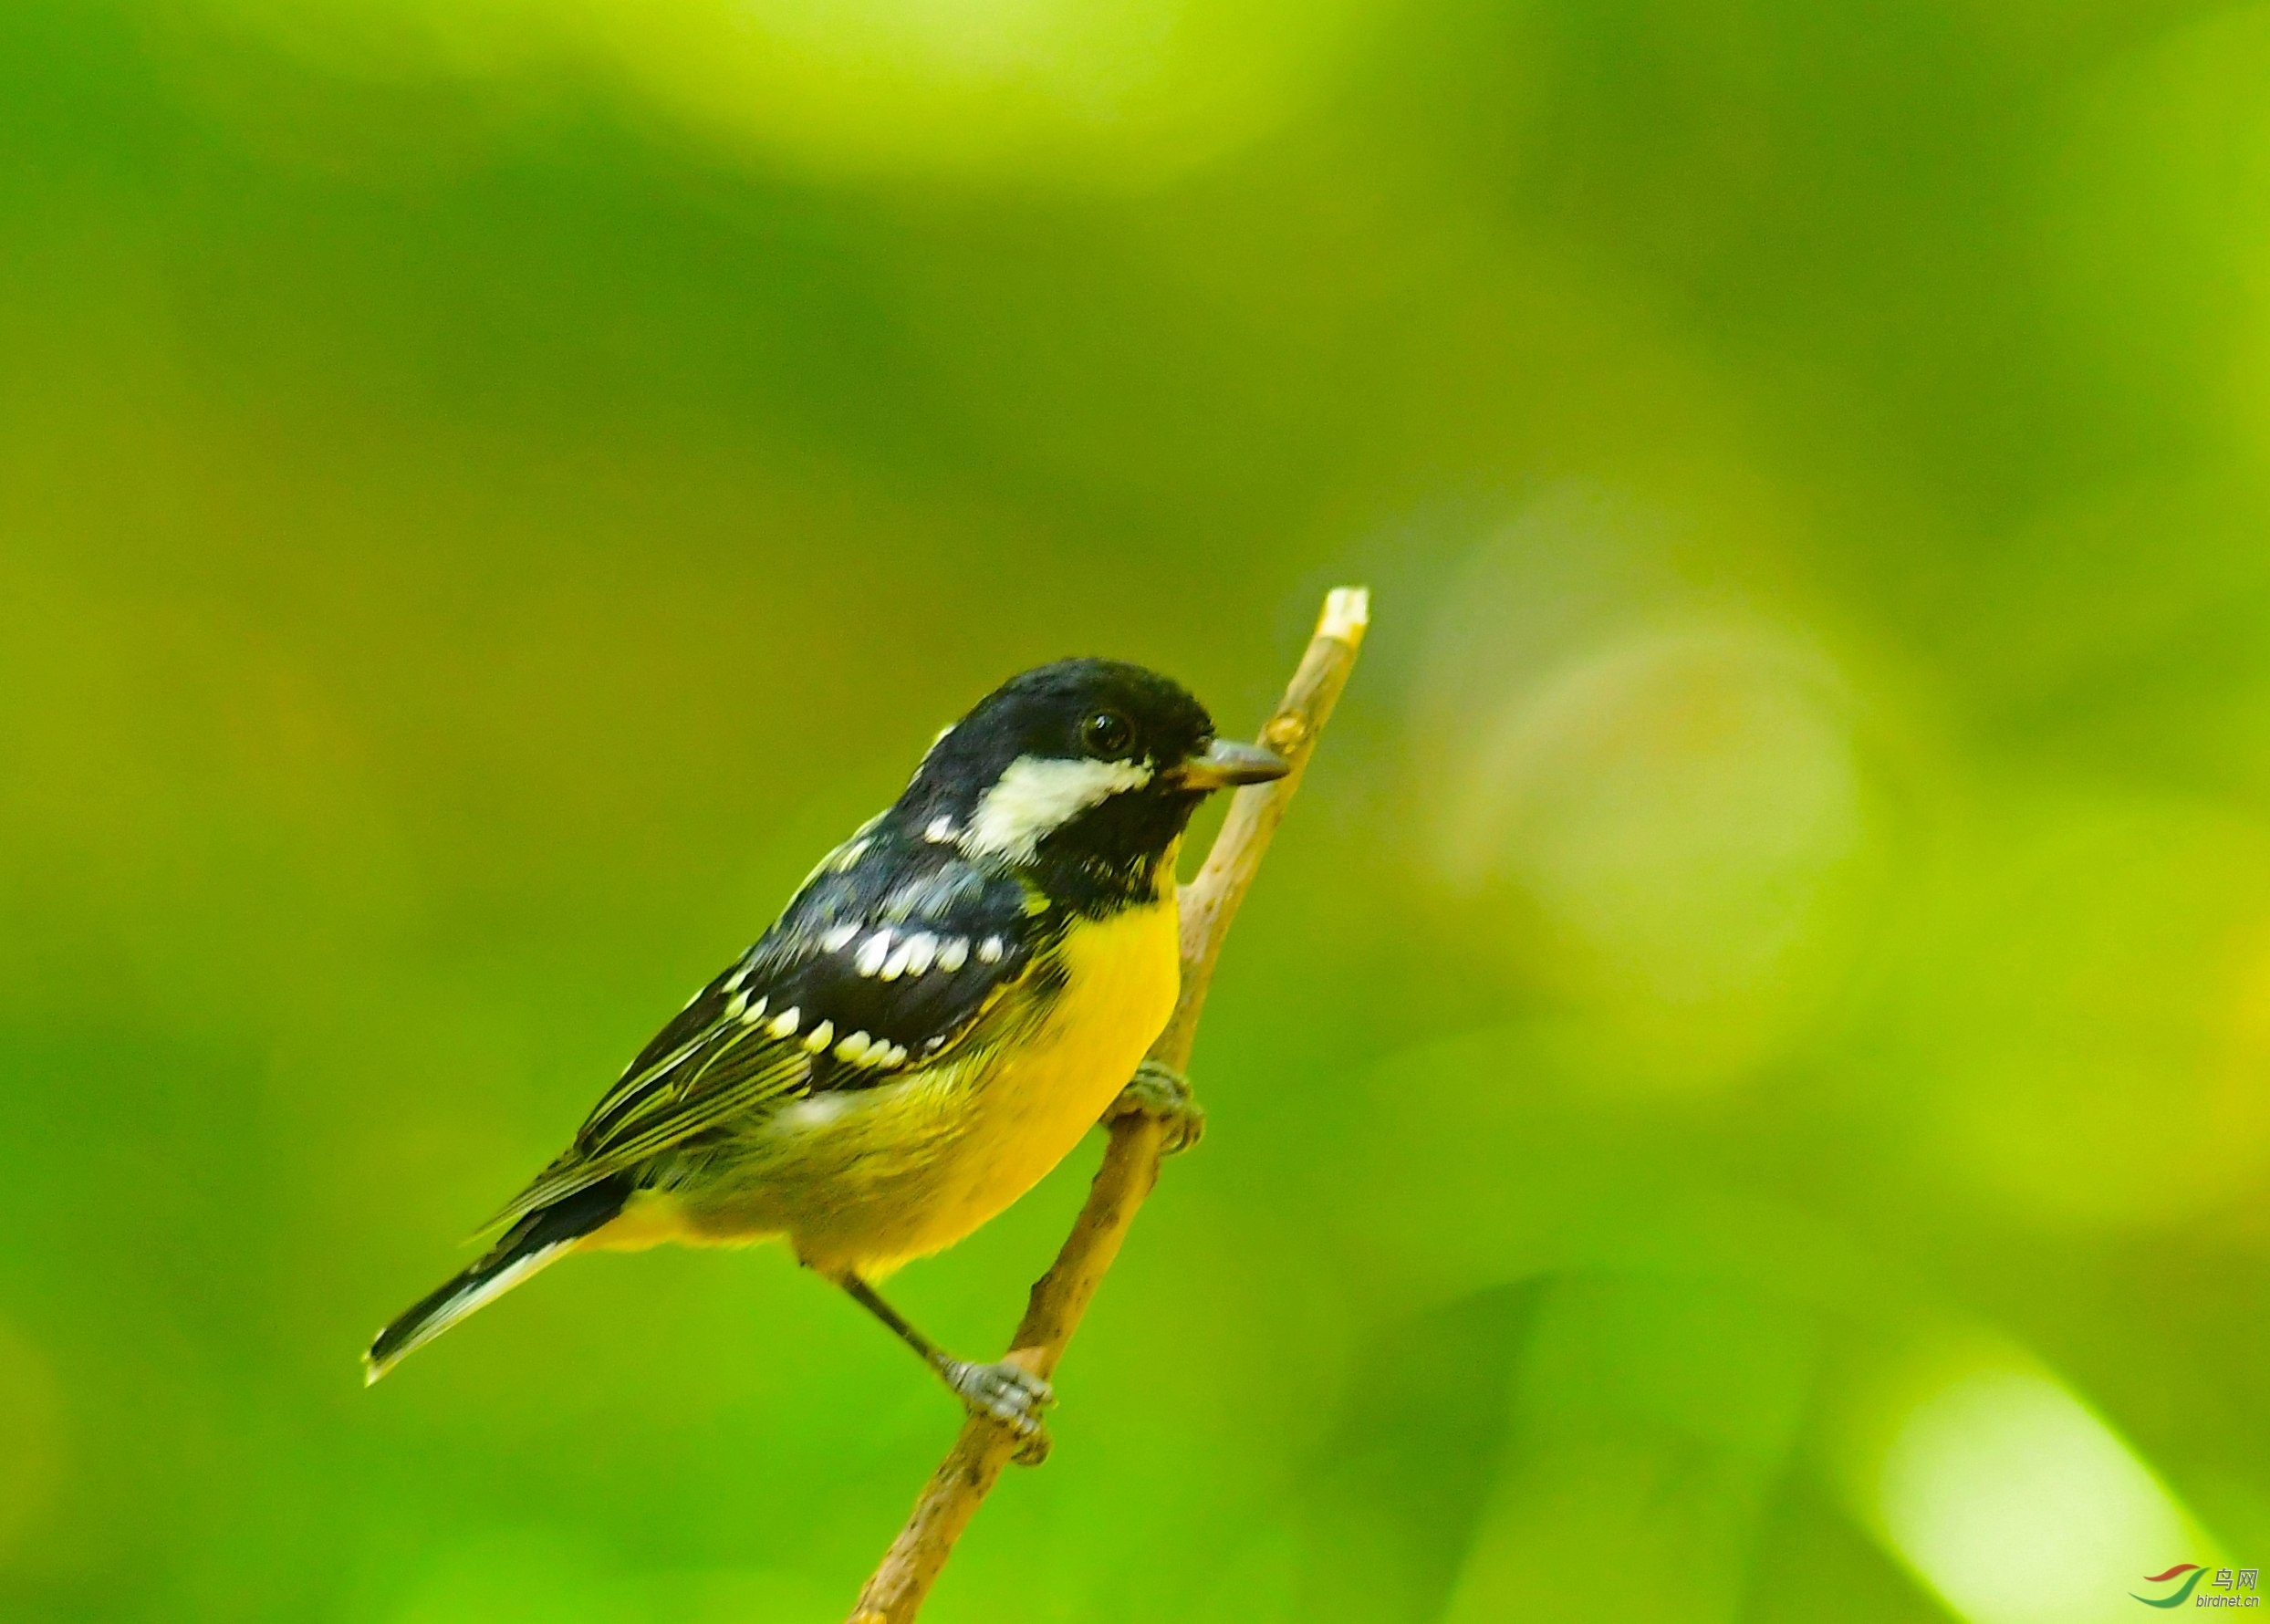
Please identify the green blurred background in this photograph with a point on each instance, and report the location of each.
(1743, 1092)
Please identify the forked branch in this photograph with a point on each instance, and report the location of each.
(895, 1591)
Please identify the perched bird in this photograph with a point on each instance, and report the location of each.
(946, 1004)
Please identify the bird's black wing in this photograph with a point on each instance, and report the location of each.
(882, 962)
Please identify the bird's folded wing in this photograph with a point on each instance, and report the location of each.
(873, 970)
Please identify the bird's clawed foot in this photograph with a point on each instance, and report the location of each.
(1009, 1393)
(1162, 1094)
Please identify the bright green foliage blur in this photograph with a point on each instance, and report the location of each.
(1743, 1092)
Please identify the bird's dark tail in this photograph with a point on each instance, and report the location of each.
(537, 1240)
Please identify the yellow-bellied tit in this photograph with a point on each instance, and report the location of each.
(946, 1004)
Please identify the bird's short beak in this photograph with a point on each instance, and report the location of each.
(1227, 763)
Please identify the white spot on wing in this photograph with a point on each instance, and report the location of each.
(940, 831)
(821, 1036)
(838, 937)
(1035, 796)
(784, 1025)
(754, 1013)
(853, 1049)
(816, 1112)
(895, 965)
(922, 948)
(871, 953)
(736, 1005)
(953, 953)
(989, 950)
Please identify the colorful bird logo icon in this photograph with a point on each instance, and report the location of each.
(2182, 1594)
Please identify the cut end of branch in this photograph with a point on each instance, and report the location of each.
(1347, 615)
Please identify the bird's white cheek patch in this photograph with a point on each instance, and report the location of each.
(1034, 798)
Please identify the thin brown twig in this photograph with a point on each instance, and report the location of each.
(895, 1591)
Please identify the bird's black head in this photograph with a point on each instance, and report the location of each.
(1089, 767)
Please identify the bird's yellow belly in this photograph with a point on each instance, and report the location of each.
(1037, 1100)
(866, 1181)
(904, 1172)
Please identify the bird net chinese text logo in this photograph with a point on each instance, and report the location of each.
(2225, 1587)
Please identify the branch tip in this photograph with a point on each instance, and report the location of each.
(1347, 615)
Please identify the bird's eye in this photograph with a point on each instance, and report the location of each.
(1106, 735)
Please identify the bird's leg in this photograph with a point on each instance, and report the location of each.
(1163, 1094)
(1008, 1393)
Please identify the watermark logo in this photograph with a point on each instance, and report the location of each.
(2223, 1586)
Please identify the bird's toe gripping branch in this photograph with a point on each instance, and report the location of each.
(1009, 1393)
(1163, 1094)
(1012, 1395)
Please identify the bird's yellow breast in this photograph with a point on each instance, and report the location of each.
(870, 1179)
(1033, 1103)
(911, 1169)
